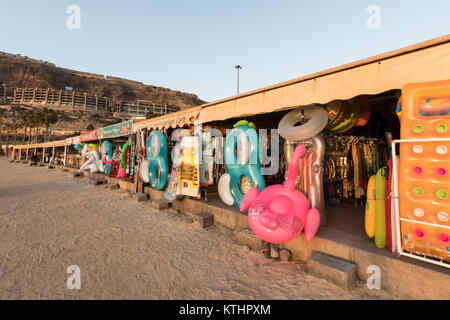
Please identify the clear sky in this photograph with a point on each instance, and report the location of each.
(193, 45)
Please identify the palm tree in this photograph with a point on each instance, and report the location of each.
(8, 127)
(49, 117)
(36, 122)
(27, 122)
(15, 127)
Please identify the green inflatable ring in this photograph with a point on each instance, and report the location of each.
(123, 159)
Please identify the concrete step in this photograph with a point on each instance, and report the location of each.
(96, 182)
(246, 237)
(77, 174)
(159, 204)
(112, 186)
(140, 197)
(336, 270)
(203, 219)
(96, 175)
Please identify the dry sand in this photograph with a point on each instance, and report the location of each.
(127, 250)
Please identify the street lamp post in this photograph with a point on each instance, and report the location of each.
(238, 67)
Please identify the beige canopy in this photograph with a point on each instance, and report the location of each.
(425, 61)
(172, 120)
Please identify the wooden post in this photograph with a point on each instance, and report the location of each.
(26, 158)
(165, 109)
(43, 155)
(96, 103)
(53, 156)
(85, 101)
(65, 155)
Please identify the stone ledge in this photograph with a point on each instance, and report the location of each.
(333, 269)
(246, 237)
(159, 204)
(96, 182)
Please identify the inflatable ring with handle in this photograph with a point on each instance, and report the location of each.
(248, 164)
(157, 155)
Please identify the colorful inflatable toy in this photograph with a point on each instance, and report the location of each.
(107, 155)
(380, 207)
(246, 165)
(366, 111)
(280, 212)
(92, 162)
(316, 120)
(348, 118)
(157, 155)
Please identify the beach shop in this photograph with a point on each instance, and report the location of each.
(337, 163)
(365, 104)
(115, 150)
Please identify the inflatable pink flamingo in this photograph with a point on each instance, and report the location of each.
(280, 212)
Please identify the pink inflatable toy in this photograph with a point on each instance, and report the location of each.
(121, 173)
(280, 212)
(106, 161)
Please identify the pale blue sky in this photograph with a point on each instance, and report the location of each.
(193, 45)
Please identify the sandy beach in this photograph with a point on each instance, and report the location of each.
(126, 250)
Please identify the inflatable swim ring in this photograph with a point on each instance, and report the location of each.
(248, 164)
(316, 120)
(157, 155)
(106, 154)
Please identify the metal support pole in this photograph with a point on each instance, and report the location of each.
(65, 155)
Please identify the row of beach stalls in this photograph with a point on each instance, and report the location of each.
(310, 164)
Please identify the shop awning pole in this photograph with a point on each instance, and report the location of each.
(65, 155)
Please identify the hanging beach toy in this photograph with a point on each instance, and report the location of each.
(316, 119)
(347, 118)
(280, 212)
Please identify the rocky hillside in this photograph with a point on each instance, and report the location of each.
(17, 72)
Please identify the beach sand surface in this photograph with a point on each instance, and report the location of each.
(127, 250)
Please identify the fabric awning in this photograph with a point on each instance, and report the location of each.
(60, 143)
(172, 120)
(422, 62)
